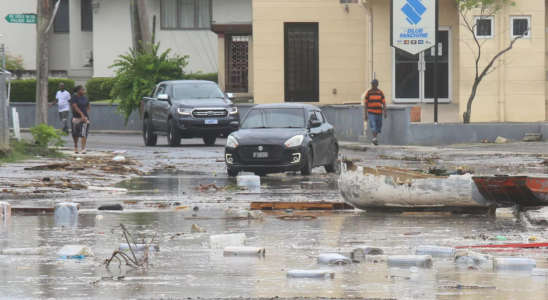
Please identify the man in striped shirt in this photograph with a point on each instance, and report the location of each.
(376, 108)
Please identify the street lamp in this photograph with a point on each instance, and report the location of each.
(95, 5)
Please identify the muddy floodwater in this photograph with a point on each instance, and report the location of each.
(187, 267)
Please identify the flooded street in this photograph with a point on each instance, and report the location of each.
(187, 267)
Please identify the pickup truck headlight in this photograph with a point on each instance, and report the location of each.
(231, 142)
(184, 111)
(295, 141)
(233, 110)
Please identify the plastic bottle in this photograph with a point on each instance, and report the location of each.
(435, 251)
(407, 261)
(333, 259)
(515, 263)
(363, 251)
(138, 248)
(310, 274)
(540, 272)
(243, 251)
(470, 260)
(251, 182)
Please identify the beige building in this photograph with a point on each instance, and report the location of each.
(327, 51)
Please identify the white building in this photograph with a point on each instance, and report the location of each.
(86, 39)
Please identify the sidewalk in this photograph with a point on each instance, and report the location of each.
(365, 146)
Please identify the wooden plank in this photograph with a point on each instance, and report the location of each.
(426, 213)
(32, 210)
(299, 205)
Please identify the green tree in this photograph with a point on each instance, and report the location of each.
(14, 63)
(137, 72)
(470, 11)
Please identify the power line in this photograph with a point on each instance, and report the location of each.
(207, 53)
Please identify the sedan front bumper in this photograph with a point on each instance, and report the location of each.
(281, 159)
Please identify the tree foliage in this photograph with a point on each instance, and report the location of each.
(137, 72)
(482, 9)
(45, 136)
(14, 63)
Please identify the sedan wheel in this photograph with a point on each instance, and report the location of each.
(334, 166)
(307, 168)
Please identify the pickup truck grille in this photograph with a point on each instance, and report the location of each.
(209, 113)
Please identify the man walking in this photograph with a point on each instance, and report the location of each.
(63, 98)
(376, 108)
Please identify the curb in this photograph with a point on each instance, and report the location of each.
(95, 131)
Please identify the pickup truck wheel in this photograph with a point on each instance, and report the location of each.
(209, 140)
(173, 134)
(307, 168)
(232, 173)
(149, 137)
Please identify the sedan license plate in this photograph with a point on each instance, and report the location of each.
(212, 121)
(260, 154)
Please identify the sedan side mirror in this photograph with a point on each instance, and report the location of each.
(315, 124)
(235, 124)
(163, 97)
(230, 96)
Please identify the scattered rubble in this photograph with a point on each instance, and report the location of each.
(111, 207)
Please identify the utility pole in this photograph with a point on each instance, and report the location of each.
(144, 24)
(42, 65)
(4, 123)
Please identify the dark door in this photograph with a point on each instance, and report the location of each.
(302, 80)
(237, 67)
(157, 107)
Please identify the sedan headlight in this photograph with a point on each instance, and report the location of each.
(184, 111)
(295, 141)
(233, 110)
(231, 142)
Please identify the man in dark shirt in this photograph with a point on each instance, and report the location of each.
(80, 123)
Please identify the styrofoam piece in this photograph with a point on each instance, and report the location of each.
(138, 248)
(333, 259)
(243, 251)
(310, 274)
(5, 210)
(65, 209)
(252, 181)
(407, 261)
(363, 251)
(22, 251)
(540, 272)
(435, 251)
(119, 158)
(224, 240)
(517, 263)
(470, 260)
(75, 250)
(107, 189)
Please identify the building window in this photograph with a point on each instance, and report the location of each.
(186, 14)
(520, 26)
(237, 66)
(301, 60)
(87, 15)
(61, 23)
(484, 27)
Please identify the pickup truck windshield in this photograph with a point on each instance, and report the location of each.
(274, 118)
(197, 91)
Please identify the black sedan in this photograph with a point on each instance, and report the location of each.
(285, 137)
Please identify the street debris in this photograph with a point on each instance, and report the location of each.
(176, 235)
(119, 158)
(138, 247)
(364, 251)
(470, 258)
(501, 140)
(134, 261)
(243, 251)
(407, 261)
(48, 167)
(251, 182)
(333, 259)
(107, 189)
(5, 210)
(514, 263)
(75, 252)
(23, 251)
(99, 217)
(202, 187)
(532, 137)
(467, 287)
(310, 274)
(182, 208)
(528, 245)
(116, 206)
(313, 205)
(196, 229)
(540, 272)
(294, 217)
(224, 240)
(435, 251)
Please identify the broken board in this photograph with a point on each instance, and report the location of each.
(300, 206)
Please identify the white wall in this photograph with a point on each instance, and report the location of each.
(20, 39)
(79, 41)
(232, 11)
(59, 51)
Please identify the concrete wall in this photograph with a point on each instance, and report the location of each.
(104, 117)
(79, 41)
(342, 48)
(231, 12)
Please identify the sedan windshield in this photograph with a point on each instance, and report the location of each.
(196, 91)
(274, 118)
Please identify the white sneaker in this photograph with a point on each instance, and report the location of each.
(375, 142)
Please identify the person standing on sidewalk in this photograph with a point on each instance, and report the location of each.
(376, 108)
(63, 97)
(80, 122)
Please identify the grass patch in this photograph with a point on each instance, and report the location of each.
(107, 101)
(21, 150)
(15, 157)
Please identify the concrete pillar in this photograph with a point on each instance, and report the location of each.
(222, 60)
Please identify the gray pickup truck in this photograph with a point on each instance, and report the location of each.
(183, 109)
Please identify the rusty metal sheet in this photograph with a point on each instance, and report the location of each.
(511, 190)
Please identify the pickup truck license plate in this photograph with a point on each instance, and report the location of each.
(212, 121)
(260, 154)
